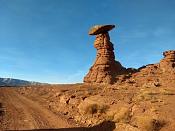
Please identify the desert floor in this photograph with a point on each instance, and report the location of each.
(87, 107)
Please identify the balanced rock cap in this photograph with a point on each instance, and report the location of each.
(98, 29)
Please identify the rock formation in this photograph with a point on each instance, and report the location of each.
(154, 75)
(105, 67)
(167, 64)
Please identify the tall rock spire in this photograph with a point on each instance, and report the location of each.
(105, 67)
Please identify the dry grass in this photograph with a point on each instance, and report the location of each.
(120, 115)
(148, 123)
(92, 108)
(95, 108)
(152, 94)
(167, 92)
(145, 96)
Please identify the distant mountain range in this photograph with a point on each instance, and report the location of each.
(17, 82)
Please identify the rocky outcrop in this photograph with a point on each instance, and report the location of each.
(155, 75)
(167, 64)
(105, 67)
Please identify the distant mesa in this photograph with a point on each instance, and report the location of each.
(16, 82)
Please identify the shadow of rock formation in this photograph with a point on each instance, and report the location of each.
(1, 109)
(105, 126)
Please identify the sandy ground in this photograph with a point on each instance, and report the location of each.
(23, 113)
(82, 107)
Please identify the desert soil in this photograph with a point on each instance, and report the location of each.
(23, 113)
(131, 108)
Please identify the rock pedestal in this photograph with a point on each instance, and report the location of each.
(105, 67)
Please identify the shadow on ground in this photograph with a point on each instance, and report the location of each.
(105, 126)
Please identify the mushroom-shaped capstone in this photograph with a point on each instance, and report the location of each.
(100, 29)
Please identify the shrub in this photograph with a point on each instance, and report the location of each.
(90, 107)
(147, 123)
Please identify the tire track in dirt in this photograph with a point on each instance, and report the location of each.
(23, 113)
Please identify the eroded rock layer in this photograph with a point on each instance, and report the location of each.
(154, 75)
(167, 64)
(105, 67)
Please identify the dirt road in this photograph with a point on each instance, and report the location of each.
(22, 113)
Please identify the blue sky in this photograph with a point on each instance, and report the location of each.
(48, 41)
